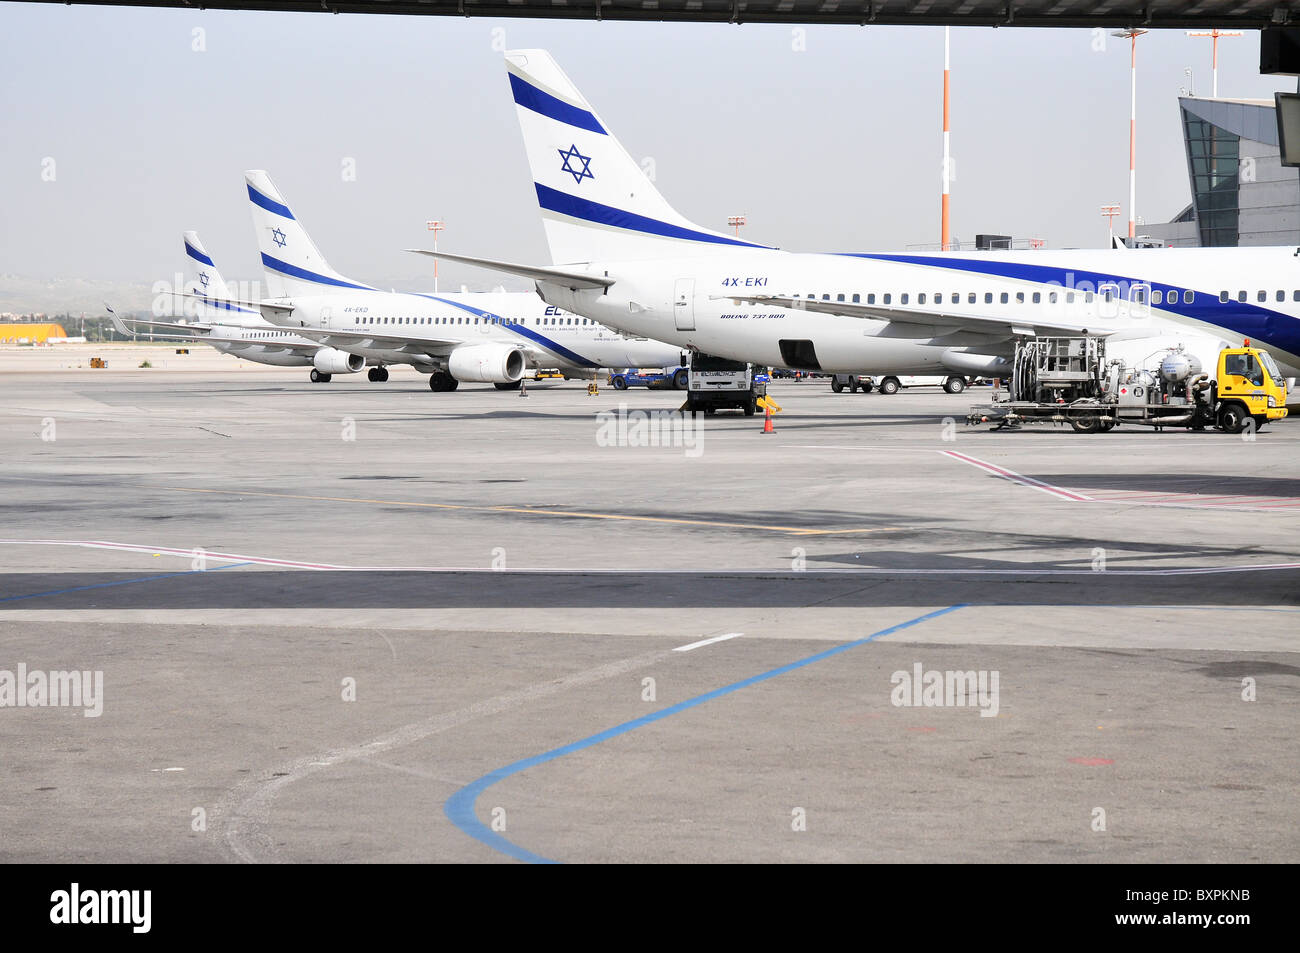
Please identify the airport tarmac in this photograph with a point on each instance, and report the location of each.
(515, 597)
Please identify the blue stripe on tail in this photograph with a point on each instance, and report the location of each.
(544, 104)
(269, 204)
(556, 201)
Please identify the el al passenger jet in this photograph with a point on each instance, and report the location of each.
(484, 337)
(237, 329)
(625, 257)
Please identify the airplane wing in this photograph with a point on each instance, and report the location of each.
(909, 322)
(413, 346)
(201, 334)
(395, 342)
(122, 328)
(307, 347)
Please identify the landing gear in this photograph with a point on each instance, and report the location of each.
(441, 381)
(377, 375)
(513, 385)
(318, 378)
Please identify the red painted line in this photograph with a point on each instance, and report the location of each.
(1018, 477)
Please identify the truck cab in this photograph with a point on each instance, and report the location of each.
(716, 383)
(1248, 386)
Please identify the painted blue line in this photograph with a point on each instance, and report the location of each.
(121, 582)
(459, 808)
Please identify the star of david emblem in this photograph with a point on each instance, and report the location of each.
(278, 236)
(203, 278)
(571, 160)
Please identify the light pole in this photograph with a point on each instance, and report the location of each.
(736, 221)
(1132, 36)
(435, 227)
(947, 160)
(1109, 212)
(1215, 34)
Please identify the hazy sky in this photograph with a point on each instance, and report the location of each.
(833, 147)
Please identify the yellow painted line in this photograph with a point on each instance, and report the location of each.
(793, 530)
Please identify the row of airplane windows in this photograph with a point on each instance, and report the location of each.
(1108, 293)
(463, 320)
(1138, 295)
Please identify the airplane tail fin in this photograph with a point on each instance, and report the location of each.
(293, 263)
(596, 201)
(204, 280)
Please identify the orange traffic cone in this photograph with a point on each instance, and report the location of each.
(767, 419)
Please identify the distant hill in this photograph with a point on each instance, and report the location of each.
(25, 295)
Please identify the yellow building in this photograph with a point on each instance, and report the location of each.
(28, 333)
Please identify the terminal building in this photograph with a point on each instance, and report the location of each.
(1241, 193)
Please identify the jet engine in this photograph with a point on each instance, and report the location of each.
(330, 360)
(487, 363)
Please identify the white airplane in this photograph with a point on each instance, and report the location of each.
(623, 256)
(234, 328)
(489, 337)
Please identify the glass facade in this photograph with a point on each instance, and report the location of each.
(1214, 155)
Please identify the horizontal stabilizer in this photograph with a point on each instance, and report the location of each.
(570, 279)
(252, 305)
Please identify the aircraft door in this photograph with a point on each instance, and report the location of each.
(684, 304)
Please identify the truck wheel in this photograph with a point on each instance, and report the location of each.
(954, 385)
(681, 379)
(750, 408)
(889, 385)
(836, 385)
(1085, 423)
(619, 383)
(1232, 418)
(866, 387)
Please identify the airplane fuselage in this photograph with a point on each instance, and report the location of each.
(553, 337)
(1211, 297)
